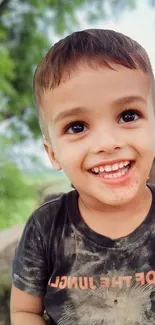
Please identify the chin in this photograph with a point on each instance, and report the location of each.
(119, 200)
(119, 196)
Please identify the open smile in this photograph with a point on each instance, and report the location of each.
(113, 173)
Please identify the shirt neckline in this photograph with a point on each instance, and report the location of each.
(136, 238)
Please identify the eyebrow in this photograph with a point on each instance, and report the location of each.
(129, 100)
(75, 111)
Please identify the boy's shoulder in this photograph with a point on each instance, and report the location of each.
(53, 213)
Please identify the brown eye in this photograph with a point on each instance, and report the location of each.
(129, 116)
(76, 127)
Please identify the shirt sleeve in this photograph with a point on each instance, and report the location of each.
(29, 269)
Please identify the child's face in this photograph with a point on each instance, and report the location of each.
(102, 119)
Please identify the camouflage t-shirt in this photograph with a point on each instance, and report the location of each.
(86, 278)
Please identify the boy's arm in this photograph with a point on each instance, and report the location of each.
(30, 277)
(26, 309)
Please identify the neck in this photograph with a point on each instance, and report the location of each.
(117, 221)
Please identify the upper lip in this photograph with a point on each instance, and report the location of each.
(110, 162)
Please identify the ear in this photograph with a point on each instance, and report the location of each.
(52, 157)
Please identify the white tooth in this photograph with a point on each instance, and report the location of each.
(116, 174)
(115, 167)
(96, 169)
(121, 165)
(108, 176)
(107, 168)
(101, 169)
(126, 163)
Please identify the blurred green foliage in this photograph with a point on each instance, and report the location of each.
(15, 193)
(21, 193)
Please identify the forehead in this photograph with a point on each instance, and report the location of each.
(87, 87)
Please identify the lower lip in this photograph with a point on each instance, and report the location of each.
(119, 180)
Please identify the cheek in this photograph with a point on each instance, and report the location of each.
(143, 139)
(70, 155)
(146, 142)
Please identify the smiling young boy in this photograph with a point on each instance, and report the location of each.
(88, 258)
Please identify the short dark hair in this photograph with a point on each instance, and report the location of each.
(94, 46)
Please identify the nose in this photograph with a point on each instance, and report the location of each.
(106, 141)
